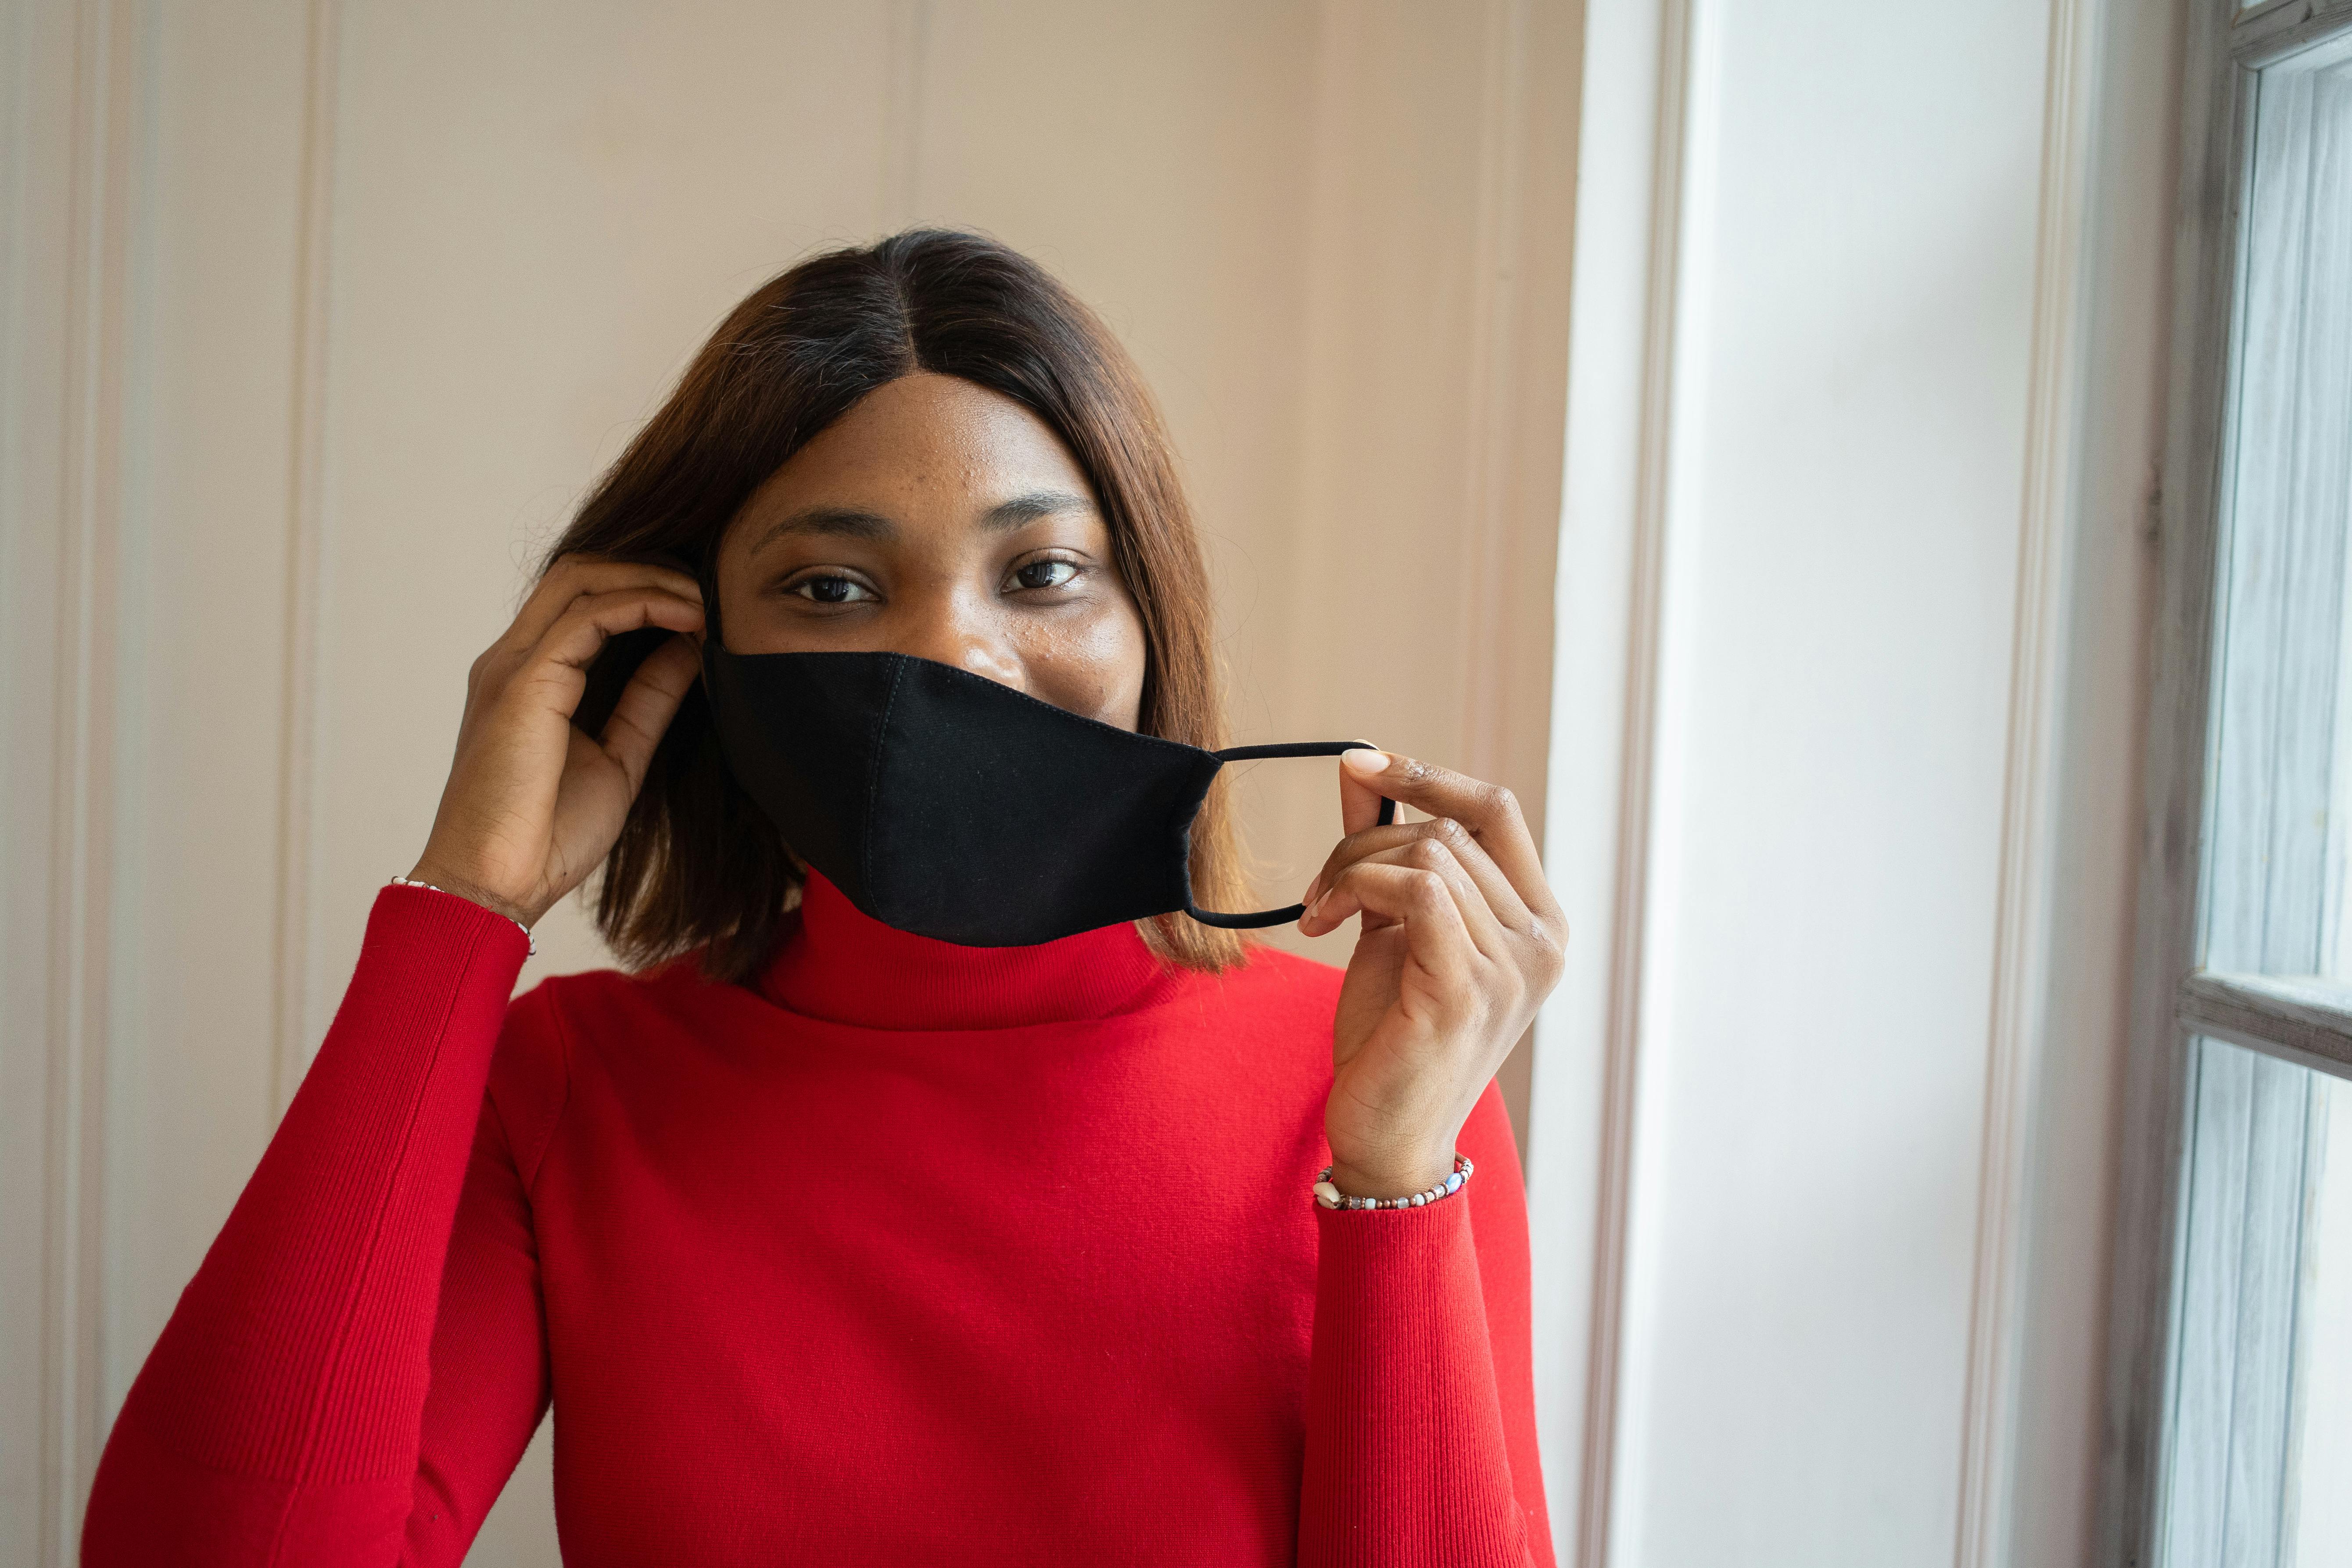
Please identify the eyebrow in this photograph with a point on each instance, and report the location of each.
(1028, 507)
(853, 523)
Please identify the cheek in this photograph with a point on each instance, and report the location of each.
(1093, 667)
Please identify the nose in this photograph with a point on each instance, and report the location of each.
(948, 633)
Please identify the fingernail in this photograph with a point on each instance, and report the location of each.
(1366, 761)
(1314, 892)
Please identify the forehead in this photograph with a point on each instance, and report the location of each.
(924, 441)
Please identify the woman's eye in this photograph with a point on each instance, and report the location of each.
(831, 590)
(1046, 573)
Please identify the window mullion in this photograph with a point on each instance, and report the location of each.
(2307, 1019)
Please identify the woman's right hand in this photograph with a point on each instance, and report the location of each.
(532, 805)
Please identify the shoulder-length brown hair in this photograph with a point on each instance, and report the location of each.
(696, 866)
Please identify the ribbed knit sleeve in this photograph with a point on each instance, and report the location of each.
(1420, 1439)
(281, 1417)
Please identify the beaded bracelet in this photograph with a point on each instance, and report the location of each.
(528, 941)
(1331, 1197)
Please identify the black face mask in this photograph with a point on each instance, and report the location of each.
(952, 807)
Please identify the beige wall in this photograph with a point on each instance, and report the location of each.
(321, 314)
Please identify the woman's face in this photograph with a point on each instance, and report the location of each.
(939, 518)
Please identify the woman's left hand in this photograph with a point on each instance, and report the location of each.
(1462, 940)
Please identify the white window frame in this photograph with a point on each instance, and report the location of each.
(2197, 1437)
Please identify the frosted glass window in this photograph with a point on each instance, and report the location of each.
(2258, 1450)
(2287, 1252)
(2282, 833)
(2320, 1502)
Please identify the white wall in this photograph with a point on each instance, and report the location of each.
(1842, 579)
(320, 315)
(1866, 370)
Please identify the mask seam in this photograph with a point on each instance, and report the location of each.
(874, 777)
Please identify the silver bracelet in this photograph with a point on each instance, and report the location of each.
(1331, 1197)
(528, 940)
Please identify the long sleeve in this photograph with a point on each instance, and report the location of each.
(1421, 1440)
(290, 1413)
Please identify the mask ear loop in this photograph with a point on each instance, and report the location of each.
(1252, 921)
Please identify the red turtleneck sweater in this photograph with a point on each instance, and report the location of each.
(910, 1253)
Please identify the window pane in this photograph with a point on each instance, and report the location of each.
(2322, 1499)
(2233, 1377)
(2262, 1457)
(2281, 833)
(2258, 1397)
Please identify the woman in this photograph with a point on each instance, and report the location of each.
(833, 1241)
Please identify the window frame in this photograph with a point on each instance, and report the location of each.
(2301, 1020)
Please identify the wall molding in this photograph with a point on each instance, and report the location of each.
(2026, 895)
(1631, 525)
(1493, 387)
(1674, 405)
(101, 154)
(306, 503)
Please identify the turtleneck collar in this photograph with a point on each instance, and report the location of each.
(840, 965)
